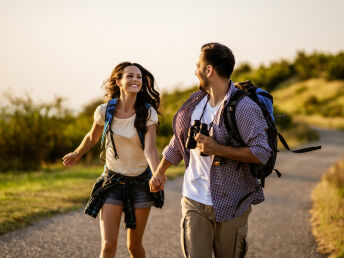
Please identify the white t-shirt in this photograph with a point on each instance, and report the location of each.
(132, 161)
(196, 184)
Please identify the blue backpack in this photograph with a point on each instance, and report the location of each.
(264, 100)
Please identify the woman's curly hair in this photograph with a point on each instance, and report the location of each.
(147, 94)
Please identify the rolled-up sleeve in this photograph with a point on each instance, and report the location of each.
(172, 152)
(252, 127)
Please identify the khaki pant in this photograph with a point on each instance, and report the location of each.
(201, 234)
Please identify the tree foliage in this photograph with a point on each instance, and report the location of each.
(304, 66)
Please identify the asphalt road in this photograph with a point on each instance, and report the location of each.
(279, 227)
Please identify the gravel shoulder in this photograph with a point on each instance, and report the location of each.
(279, 227)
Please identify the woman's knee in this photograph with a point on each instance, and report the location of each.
(134, 246)
(109, 246)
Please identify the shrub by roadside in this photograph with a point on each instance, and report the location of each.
(327, 214)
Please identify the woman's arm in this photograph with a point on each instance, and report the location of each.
(151, 152)
(90, 139)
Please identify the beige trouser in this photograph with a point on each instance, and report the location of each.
(201, 234)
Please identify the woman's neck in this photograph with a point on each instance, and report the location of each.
(127, 102)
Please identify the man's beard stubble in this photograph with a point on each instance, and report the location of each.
(203, 84)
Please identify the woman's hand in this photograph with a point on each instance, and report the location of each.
(157, 182)
(90, 139)
(70, 159)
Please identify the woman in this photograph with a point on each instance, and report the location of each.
(135, 111)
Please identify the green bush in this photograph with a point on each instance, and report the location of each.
(33, 134)
(336, 67)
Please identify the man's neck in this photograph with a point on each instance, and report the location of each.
(217, 91)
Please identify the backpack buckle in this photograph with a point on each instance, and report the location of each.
(217, 163)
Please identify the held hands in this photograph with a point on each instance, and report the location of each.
(70, 159)
(157, 182)
(207, 144)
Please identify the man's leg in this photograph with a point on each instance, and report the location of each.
(197, 229)
(230, 237)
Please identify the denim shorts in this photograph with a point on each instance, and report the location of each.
(140, 197)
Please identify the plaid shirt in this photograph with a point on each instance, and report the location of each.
(233, 189)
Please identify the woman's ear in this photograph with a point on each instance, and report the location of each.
(118, 82)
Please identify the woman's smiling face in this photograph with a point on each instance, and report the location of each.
(131, 81)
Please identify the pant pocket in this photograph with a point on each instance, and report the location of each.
(241, 242)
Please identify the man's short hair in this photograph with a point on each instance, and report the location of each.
(220, 57)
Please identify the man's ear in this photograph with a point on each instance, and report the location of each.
(210, 71)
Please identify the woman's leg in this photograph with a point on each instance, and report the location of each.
(135, 236)
(110, 218)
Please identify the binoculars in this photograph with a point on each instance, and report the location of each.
(196, 127)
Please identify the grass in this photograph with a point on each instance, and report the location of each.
(327, 214)
(325, 122)
(315, 101)
(26, 197)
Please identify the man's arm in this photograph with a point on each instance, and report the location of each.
(252, 128)
(208, 145)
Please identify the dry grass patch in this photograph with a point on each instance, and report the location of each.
(327, 214)
(315, 101)
(325, 122)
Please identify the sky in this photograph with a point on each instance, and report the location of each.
(67, 48)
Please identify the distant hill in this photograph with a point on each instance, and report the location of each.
(314, 101)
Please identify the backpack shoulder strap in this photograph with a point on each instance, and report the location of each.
(229, 115)
(109, 113)
(141, 136)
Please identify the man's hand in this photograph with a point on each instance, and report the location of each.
(157, 182)
(207, 144)
(158, 179)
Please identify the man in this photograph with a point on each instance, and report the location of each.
(218, 189)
